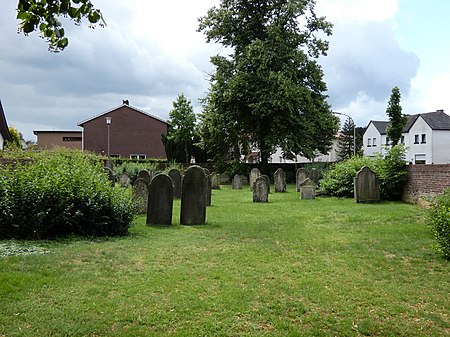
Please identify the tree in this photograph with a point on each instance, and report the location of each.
(270, 91)
(43, 16)
(397, 120)
(180, 133)
(346, 140)
(16, 139)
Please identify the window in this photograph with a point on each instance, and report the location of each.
(416, 139)
(387, 140)
(419, 159)
(374, 142)
(138, 156)
(369, 142)
(71, 139)
(115, 155)
(402, 140)
(423, 138)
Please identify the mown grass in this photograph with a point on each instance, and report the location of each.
(323, 267)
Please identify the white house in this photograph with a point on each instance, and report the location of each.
(426, 137)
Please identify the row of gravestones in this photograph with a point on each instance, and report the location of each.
(155, 195)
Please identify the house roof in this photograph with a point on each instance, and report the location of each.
(437, 120)
(4, 130)
(57, 131)
(118, 107)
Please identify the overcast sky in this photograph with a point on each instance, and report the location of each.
(150, 52)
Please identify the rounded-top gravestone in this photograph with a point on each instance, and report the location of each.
(254, 174)
(193, 197)
(160, 201)
(175, 175)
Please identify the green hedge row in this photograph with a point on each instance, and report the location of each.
(61, 193)
(439, 221)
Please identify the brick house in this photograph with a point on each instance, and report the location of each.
(4, 130)
(133, 133)
(50, 139)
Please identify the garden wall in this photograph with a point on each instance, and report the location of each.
(425, 181)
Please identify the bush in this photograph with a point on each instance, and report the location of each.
(132, 169)
(439, 221)
(62, 193)
(390, 170)
(338, 181)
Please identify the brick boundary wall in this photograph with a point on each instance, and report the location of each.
(426, 181)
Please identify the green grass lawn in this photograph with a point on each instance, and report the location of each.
(323, 267)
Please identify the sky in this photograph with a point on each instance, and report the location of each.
(150, 52)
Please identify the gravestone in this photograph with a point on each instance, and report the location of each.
(145, 175)
(160, 201)
(110, 174)
(193, 197)
(124, 180)
(367, 187)
(254, 174)
(208, 190)
(260, 190)
(224, 178)
(307, 189)
(313, 175)
(140, 194)
(175, 175)
(267, 180)
(299, 177)
(237, 182)
(279, 178)
(244, 179)
(215, 181)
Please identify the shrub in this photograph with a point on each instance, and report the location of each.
(439, 221)
(338, 181)
(390, 170)
(132, 169)
(61, 193)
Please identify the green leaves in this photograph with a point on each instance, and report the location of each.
(43, 16)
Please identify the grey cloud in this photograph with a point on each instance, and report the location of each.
(367, 59)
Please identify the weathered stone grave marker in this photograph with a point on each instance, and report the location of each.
(160, 201)
(254, 174)
(307, 189)
(124, 180)
(237, 182)
(145, 175)
(140, 194)
(300, 176)
(215, 181)
(175, 175)
(261, 189)
(193, 197)
(279, 178)
(367, 187)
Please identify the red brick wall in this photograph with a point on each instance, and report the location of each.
(131, 132)
(426, 180)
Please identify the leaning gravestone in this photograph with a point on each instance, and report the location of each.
(367, 188)
(307, 189)
(260, 190)
(145, 175)
(299, 177)
(279, 178)
(193, 197)
(160, 201)
(254, 174)
(237, 182)
(175, 175)
(124, 180)
(140, 194)
(215, 181)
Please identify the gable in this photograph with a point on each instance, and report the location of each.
(128, 108)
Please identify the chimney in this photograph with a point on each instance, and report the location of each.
(440, 110)
(126, 102)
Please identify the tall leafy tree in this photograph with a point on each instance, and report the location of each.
(346, 140)
(397, 120)
(43, 16)
(269, 91)
(16, 139)
(181, 131)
